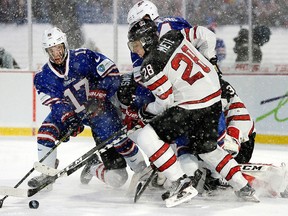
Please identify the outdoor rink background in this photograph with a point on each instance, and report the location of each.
(69, 197)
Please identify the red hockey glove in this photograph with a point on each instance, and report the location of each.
(130, 118)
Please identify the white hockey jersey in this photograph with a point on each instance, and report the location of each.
(179, 75)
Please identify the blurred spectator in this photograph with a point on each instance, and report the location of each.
(220, 45)
(6, 60)
(261, 35)
(66, 17)
(227, 12)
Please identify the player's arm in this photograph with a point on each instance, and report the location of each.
(106, 74)
(62, 110)
(158, 83)
(203, 39)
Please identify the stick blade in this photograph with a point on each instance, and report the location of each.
(42, 168)
(10, 191)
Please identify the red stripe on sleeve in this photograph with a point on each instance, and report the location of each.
(239, 118)
(234, 132)
(166, 94)
(237, 105)
(187, 30)
(157, 83)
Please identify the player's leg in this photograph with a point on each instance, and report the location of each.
(163, 157)
(113, 166)
(216, 157)
(48, 133)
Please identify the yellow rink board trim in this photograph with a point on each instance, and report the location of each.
(11, 131)
(31, 132)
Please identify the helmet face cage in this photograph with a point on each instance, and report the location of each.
(52, 37)
(144, 31)
(141, 9)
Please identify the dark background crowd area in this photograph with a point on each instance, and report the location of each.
(273, 13)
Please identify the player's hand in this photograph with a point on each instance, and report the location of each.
(131, 117)
(145, 116)
(72, 123)
(96, 102)
(214, 61)
(126, 90)
(231, 145)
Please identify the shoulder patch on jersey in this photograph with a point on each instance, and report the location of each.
(104, 66)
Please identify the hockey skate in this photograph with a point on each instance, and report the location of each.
(86, 175)
(37, 181)
(181, 191)
(212, 184)
(247, 193)
(284, 194)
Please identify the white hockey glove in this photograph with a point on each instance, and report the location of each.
(231, 145)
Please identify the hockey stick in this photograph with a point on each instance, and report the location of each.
(41, 160)
(142, 185)
(273, 99)
(71, 168)
(19, 192)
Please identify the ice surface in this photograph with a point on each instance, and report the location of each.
(69, 197)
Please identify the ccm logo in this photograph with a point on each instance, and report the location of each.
(251, 168)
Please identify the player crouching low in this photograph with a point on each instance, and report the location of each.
(187, 103)
(79, 86)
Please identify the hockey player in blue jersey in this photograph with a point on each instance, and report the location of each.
(78, 86)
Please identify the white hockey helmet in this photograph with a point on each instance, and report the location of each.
(141, 9)
(52, 37)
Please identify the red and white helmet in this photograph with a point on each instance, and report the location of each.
(141, 9)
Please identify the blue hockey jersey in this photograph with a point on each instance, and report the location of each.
(67, 87)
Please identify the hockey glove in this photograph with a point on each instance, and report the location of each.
(145, 117)
(214, 61)
(72, 123)
(126, 91)
(231, 145)
(96, 102)
(131, 117)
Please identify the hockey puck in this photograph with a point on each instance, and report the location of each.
(33, 204)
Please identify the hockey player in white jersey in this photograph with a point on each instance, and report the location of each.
(239, 124)
(187, 103)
